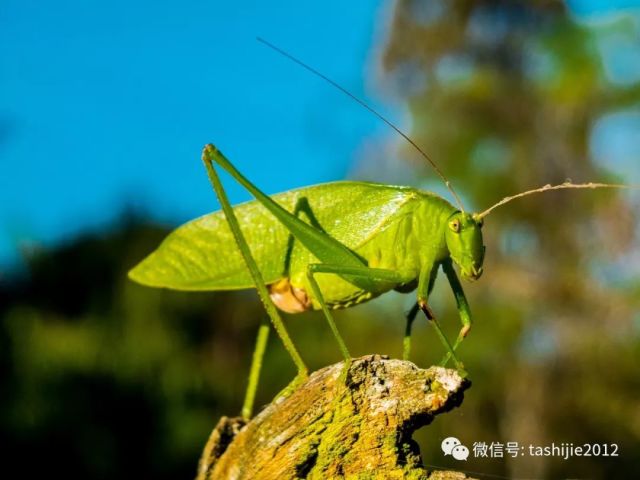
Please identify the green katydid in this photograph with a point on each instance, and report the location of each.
(326, 247)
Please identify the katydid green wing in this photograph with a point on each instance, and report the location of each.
(202, 255)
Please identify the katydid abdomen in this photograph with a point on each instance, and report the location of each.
(390, 227)
(401, 242)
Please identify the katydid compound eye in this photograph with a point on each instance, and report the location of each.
(455, 225)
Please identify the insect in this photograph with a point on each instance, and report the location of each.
(327, 247)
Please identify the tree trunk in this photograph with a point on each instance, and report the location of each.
(329, 429)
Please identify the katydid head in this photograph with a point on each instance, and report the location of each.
(463, 236)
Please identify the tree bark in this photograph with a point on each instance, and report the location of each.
(331, 429)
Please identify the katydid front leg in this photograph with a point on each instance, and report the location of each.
(411, 316)
(424, 284)
(461, 302)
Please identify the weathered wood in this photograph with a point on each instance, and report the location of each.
(326, 429)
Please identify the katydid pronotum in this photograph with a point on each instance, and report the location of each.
(326, 247)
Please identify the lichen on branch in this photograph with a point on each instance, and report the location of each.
(329, 429)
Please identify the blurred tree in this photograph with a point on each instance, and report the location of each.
(105, 379)
(507, 96)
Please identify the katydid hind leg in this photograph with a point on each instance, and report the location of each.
(256, 368)
(343, 261)
(253, 268)
(335, 257)
(301, 206)
(326, 248)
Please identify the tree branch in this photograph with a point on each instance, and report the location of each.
(326, 429)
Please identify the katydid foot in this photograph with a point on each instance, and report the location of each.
(299, 379)
(343, 379)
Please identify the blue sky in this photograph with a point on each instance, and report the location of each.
(107, 103)
(104, 104)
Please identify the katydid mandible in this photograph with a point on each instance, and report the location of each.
(326, 247)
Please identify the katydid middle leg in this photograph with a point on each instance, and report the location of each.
(380, 276)
(371, 274)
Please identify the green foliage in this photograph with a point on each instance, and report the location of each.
(115, 382)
